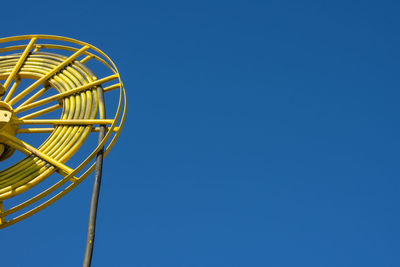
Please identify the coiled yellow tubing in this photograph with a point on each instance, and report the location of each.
(59, 63)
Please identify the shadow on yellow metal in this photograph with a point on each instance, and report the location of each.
(64, 83)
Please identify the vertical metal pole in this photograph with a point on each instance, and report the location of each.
(96, 185)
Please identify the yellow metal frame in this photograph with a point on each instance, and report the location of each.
(60, 63)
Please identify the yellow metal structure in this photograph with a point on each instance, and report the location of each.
(49, 81)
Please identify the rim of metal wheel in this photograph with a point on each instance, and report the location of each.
(51, 107)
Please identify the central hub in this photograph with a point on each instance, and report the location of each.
(8, 126)
(5, 113)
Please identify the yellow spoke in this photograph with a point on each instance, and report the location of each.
(41, 112)
(37, 48)
(29, 150)
(97, 129)
(112, 87)
(86, 59)
(2, 217)
(35, 130)
(65, 94)
(20, 62)
(36, 95)
(12, 90)
(65, 122)
(50, 130)
(49, 75)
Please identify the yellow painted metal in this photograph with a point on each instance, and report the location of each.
(64, 122)
(23, 107)
(12, 90)
(53, 63)
(41, 112)
(48, 75)
(50, 130)
(2, 218)
(21, 61)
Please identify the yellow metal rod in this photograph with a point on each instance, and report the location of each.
(67, 93)
(28, 150)
(36, 95)
(2, 216)
(112, 87)
(50, 130)
(12, 90)
(66, 122)
(41, 112)
(19, 63)
(86, 59)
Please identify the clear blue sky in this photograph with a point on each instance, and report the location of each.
(259, 133)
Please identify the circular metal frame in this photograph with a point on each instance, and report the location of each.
(41, 77)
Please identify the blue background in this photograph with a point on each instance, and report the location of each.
(259, 133)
